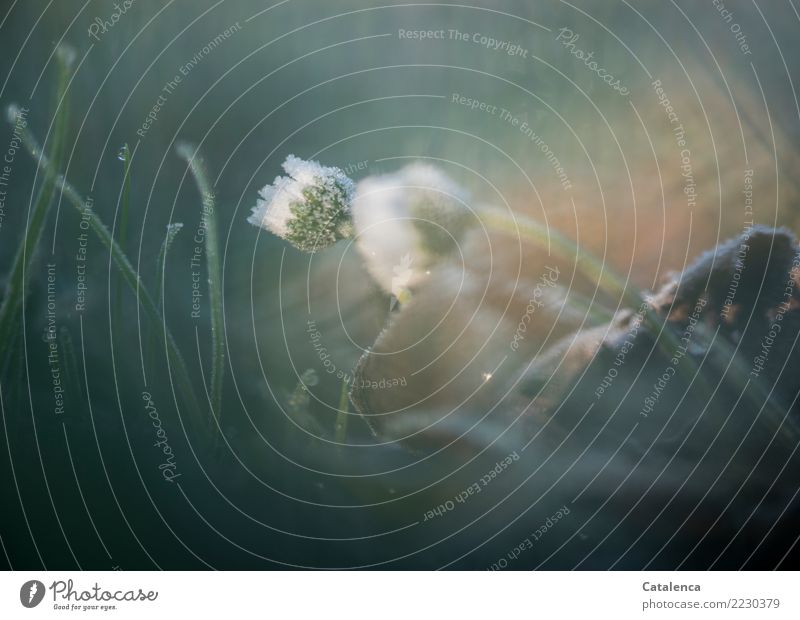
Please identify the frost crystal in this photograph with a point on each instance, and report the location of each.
(310, 208)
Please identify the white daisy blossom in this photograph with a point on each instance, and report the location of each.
(310, 207)
(405, 221)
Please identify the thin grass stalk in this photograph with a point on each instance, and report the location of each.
(70, 365)
(299, 410)
(161, 262)
(585, 263)
(125, 156)
(340, 432)
(123, 266)
(191, 155)
(668, 341)
(20, 270)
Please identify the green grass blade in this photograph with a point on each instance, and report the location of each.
(20, 269)
(209, 217)
(587, 264)
(74, 390)
(298, 406)
(161, 262)
(341, 416)
(124, 155)
(124, 267)
(668, 340)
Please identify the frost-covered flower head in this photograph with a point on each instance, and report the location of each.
(406, 221)
(310, 208)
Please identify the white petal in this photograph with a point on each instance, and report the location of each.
(384, 210)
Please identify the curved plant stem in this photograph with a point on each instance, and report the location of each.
(209, 218)
(172, 232)
(124, 155)
(161, 263)
(667, 339)
(340, 432)
(20, 269)
(71, 365)
(123, 266)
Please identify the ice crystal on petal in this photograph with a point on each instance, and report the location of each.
(310, 207)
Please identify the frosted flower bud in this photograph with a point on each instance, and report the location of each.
(405, 222)
(310, 207)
